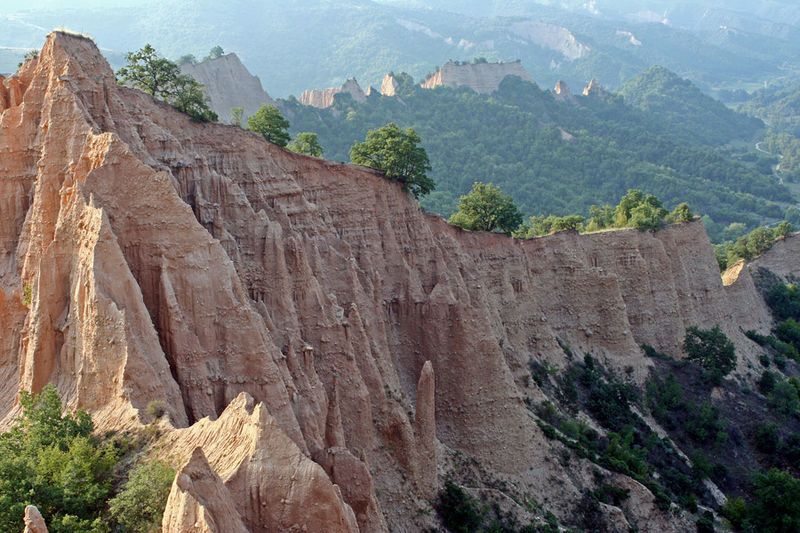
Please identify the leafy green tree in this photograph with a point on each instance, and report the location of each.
(162, 79)
(306, 143)
(216, 52)
(187, 59)
(460, 512)
(600, 217)
(537, 226)
(399, 155)
(712, 349)
(237, 114)
(269, 122)
(681, 213)
(139, 507)
(776, 503)
(51, 460)
(639, 210)
(487, 208)
(784, 398)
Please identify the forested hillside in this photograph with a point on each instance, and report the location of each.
(561, 157)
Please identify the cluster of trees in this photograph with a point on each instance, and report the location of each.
(54, 461)
(215, 53)
(487, 208)
(751, 245)
(162, 79)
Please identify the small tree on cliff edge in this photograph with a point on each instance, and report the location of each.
(398, 154)
(269, 122)
(162, 79)
(487, 208)
(306, 143)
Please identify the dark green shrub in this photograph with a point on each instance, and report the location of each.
(611, 495)
(139, 506)
(767, 382)
(789, 331)
(705, 426)
(766, 438)
(712, 349)
(776, 502)
(784, 398)
(735, 510)
(705, 524)
(52, 460)
(784, 301)
(459, 512)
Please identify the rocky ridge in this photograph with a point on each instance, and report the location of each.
(483, 78)
(326, 351)
(228, 84)
(324, 98)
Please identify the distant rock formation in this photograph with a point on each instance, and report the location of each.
(593, 88)
(389, 85)
(34, 523)
(324, 98)
(552, 37)
(562, 92)
(483, 78)
(229, 84)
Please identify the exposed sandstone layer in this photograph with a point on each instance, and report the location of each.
(562, 92)
(483, 78)
(389, 85)
(593, 88)
(147, 257)
(552, 37)
(229, 84)
(324, 98)
(34, 523)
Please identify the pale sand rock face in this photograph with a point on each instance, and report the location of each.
(324, 98)
(256, 472)
(389, 85)
(191, 263)
(34, 523)
(229, 84)
(483, 78)
(550, 36)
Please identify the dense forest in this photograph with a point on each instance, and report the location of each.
(561, 157)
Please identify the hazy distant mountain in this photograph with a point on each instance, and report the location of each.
(296, 45)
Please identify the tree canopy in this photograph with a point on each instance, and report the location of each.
(162, 79)
(306, 143)
(712, 349)
(487, 208)
(399, 155)
(270, 123)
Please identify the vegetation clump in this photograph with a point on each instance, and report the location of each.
(712, 349)
(270, 124)
(55, 461)
(399, 155)
(306, 143)
(486, 208)
(162, 79)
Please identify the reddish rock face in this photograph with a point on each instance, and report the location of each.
(484, 78)
(315, 334)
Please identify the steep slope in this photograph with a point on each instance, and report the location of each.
(670, 99)
(332, 351)
(228, 84)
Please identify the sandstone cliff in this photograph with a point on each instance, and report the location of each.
(229, 84)
(389, 85)
(484, 78)
(323, 98)
(326, 351)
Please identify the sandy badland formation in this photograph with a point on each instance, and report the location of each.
(326, 351)
(483, 78)
(228, 84)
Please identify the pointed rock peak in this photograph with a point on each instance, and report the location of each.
(389, 85)
(34, 523)
(562, 89)
(593, 88)
(334, 432)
